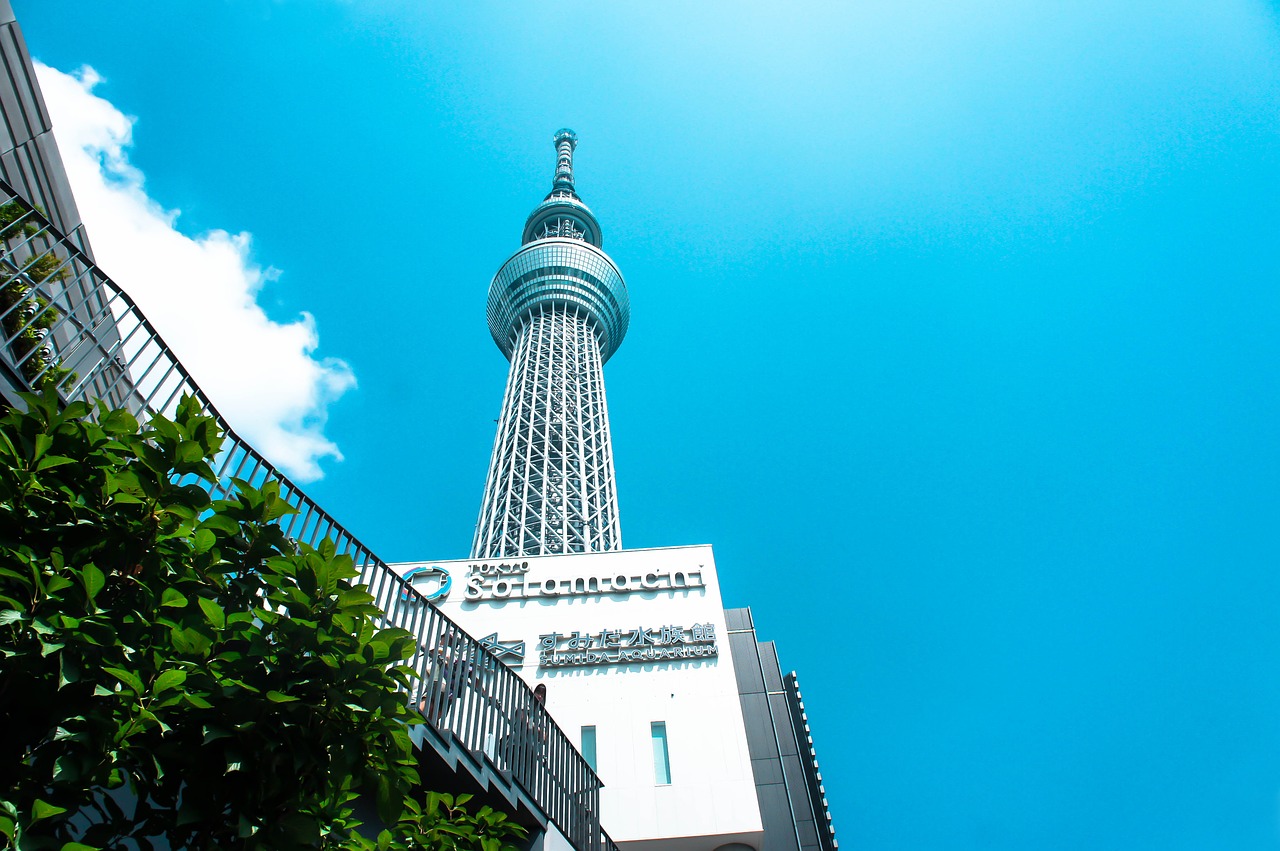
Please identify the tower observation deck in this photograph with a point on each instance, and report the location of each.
(558, 309)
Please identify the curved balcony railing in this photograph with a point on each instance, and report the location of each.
(64, 323)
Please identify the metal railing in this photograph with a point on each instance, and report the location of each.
(64, 323)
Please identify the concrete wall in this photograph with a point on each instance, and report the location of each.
(690, 685)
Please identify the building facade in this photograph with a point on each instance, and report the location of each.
(632, 648)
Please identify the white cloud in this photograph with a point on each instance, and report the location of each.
(200, 292)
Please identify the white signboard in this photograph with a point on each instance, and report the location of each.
(511, 581)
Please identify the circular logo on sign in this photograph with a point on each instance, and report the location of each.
(431, 582)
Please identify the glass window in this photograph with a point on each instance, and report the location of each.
(661, 759)
(589, 746)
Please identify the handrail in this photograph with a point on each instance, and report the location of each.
(78, 330)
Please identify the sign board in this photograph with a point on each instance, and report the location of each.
(511, 581)
(627, 646)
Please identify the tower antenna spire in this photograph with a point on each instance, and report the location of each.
(566, 140)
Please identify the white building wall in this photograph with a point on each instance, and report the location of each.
(711, 799)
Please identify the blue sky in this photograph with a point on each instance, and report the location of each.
(955, 329)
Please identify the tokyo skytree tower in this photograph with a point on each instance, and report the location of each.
(558, 309)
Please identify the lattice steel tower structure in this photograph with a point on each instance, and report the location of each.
(558, 309)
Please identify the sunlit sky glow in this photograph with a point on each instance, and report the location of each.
(956, 331)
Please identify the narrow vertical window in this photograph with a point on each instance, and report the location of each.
(661, 759)
(589, 746)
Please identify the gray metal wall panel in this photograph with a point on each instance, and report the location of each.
(738, 619)
(780, 760)
(782, 724)
(761, 741)
(772, 792)
(29, 157)
(767, 770)
(775, 813)
(807, 831)
(793, 776)
(743, 645)
(807, 765)
(772, 668)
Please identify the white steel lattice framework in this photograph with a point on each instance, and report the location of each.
(558, 309)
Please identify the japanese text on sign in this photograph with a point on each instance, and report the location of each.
(625, 646)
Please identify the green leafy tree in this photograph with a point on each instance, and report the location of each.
(175, 669)
(445, 823)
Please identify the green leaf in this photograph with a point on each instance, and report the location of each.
(66, 770)
(190, 641)
(53, 461)
(9, 616)
(152, 457)
(128, 678)
(221, 523)
(79, 846)
(41, 810)
(119, 422)
(169, 679)
(189, 452)
(280, 697)
(165, 427)
(213, 612)
(387, 803)
(203, 541)
(56, 584)
(173, 598)
(93, 579)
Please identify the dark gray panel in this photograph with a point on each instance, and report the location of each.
(29, 156)
(39, 115)
(761, 741)
(775, 813)
(746, 664)
(767, 770)
(811, 793)
(782, 724)
(769, 662)
(738, 619)
(20, 106)
(62, 202)
(780, 762)
(793, 771)
(807, 832)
